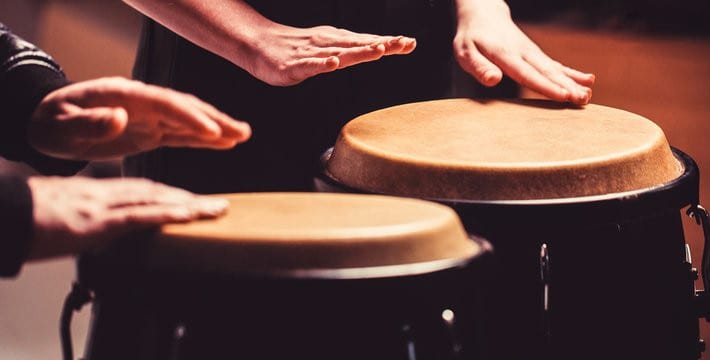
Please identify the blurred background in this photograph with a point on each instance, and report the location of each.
(651, 57)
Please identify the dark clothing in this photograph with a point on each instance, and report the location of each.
(16, 215)
(292, 126)
(27, 75)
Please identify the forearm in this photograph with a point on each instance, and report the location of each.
(228, 28)
(467, 9)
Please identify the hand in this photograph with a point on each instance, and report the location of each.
(113, 117)
(274, 53)
(287, 55)
(488, 43)
(75, 214)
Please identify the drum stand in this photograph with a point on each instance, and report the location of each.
(702, 297)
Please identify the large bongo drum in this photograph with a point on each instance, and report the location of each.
(292, 275)
(581, 205)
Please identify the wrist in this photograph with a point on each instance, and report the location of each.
(252, 43)
(470, 9)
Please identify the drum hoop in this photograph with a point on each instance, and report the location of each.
(90, 268)
(682, 190)
(375, 272)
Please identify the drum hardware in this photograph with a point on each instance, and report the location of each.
(545, 278)
(700, 215)
(449, 318)
(178, 337)
(75, 300)
(409, 340)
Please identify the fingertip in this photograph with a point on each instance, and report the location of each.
(208, 207)
(332, 62)
(236, 131)
(181, 214)
(395, 40)
(581, 97)
(119, 119)
(410, 45)
(491, 77)
(586, 97)
(245, 131)
(585, 79)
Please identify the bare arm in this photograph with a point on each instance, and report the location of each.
(274, 53)
(488, 44)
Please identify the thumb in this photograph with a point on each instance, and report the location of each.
(93, 124)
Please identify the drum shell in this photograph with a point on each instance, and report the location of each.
(138, 311)
(619, 283)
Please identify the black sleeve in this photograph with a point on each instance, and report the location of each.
(16, 220)
(27, 75)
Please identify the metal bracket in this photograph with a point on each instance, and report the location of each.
(700, 215)
(75, 300)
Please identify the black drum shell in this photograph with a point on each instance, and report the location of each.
(619, 283)
(145, 313)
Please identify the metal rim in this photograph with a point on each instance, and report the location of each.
(683, 188)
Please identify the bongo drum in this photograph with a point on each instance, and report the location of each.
(581, 205)
(292, 275)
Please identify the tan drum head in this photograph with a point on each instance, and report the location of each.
(277, 232)
(501, 150)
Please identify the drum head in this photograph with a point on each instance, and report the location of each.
(307, 233)
(501, 150)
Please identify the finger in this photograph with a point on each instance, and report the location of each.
(147, 104)
(361, 54)
(175, 109)
(399, 45)
(409, 46)
(209, 206)
(474, 63)
(96, 124)
(394, 45)
(578, 76)
(303, 69)
(139, 216)
(553, 71)
(369, 52)
(158, 214)
(230, 128)
(124, 192)
(348, 39)
(191, 141)
(526, 75)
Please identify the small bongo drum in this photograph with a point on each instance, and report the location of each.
(292, 275)
(581, 206)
